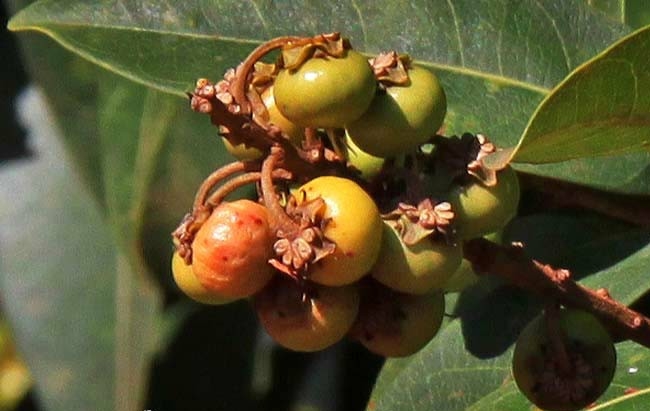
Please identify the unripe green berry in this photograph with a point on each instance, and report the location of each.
(326, 91)
(367, 164)
(403, 117)
(480, 210)
(415, 269)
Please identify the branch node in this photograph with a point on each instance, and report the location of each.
(604, 293)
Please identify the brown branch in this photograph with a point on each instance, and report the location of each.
(630, 208)
(510, 263)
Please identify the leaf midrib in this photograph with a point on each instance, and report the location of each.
(50, 29)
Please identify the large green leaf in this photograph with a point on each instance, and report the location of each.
(634, 13)
(467, 365)
(133, 124)
(493, 58)
(601, 109)
(58, 282)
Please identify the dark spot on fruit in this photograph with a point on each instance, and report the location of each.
(257, 221)
(282, 314)
(224, 258)
(349, 254)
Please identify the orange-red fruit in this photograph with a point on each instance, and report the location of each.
(394, 324)
(232, 248)
(312, 323)
(353, 224)
(188, 283)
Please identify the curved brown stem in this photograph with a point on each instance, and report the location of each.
(279, 219)
(238, 88)
(231, 185)
(510, 263)
(214, 179)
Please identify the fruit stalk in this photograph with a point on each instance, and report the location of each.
(510, 263)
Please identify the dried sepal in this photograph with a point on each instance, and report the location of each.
(295, 53)
(295, 251)
(391, 68)
(414, 223)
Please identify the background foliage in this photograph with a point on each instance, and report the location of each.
(85, 237)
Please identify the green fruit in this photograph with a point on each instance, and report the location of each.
(326, 92)
(241, 152)
(402, 118)
(293, 131)
(591, 362)
(367, 164)
(415, 269)
(480, 210)
(465, 275)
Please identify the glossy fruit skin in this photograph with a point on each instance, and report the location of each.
(310, 325)
(416, 269)
(293, 131)
(326, 92)
(188, 283)
(230, 252)
(586, 337)
(393, 324)
(368, 165)
(241, 152)
(354, 225)
(402, 118)
(481, 210)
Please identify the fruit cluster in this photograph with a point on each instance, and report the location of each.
(362, 206)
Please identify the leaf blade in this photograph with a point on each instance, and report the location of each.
(579, 120)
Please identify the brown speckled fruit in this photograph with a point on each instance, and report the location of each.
(308, 318)
(591, 365)
(394, 324)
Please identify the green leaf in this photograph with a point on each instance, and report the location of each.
(443, 376)
(625, 174)
(504, 64)
(466, 367)
(57, 282)
(634, 13)
(630, 374)
(133, 124)
(601, 109)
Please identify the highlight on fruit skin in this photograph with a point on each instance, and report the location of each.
(552, 383)
(416, 269)
(231, 250)
(188, 283)
(307, 316)
(403, 117)
(353, 223)
(394, 324)
(326, 91)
